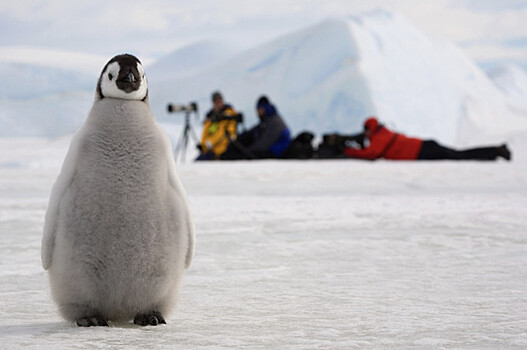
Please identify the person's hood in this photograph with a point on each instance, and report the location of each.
(371, 124)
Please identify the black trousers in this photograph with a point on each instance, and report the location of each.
(431, 150)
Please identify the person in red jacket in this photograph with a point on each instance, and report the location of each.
(384, 143)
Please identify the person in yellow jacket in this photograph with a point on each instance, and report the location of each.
(218, 129)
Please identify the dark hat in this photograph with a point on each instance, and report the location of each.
(216, 95)
(262, 101)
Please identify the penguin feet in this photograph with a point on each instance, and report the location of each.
(153, 319)
(91, 321)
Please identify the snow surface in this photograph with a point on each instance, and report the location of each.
(302, 255)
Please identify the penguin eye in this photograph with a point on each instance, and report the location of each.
(110, 76)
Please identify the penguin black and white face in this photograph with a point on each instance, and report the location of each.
(123, 77)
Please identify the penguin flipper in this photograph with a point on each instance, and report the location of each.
(191, 243)
(57, 193)
(179, 192)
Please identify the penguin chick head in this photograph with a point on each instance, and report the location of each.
(123, 77)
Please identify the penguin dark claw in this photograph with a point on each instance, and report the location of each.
(153, 319)
(91, 322)
(159, 317)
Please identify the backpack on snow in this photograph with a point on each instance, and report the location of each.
(301, 147)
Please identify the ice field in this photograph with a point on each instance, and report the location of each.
(302, 255)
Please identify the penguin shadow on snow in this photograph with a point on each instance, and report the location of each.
(34, 329)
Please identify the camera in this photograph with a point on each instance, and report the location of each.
(216, 117)
(174, 108)
(340, 141)
(353, 140)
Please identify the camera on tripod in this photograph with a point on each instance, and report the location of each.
(181, 147)
(174, 108)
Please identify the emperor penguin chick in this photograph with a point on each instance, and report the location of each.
(118, 232)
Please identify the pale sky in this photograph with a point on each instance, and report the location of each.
(487, 30)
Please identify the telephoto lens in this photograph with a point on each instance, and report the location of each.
(173, 108)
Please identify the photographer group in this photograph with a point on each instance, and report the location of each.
(270, 138)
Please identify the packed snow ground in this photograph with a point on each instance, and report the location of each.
(302, 255)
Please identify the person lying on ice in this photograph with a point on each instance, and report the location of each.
(384, 143)
(268, 139)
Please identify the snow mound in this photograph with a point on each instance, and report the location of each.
(311, 81)
(511, 79)
(429, 88)
(331, 76)
(190, 60)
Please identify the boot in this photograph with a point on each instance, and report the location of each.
(504, 152)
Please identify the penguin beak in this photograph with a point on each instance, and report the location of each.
(130, 78)
(129, 82)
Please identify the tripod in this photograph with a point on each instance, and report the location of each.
(181, 147)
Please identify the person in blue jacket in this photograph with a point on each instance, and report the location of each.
(268, 139)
